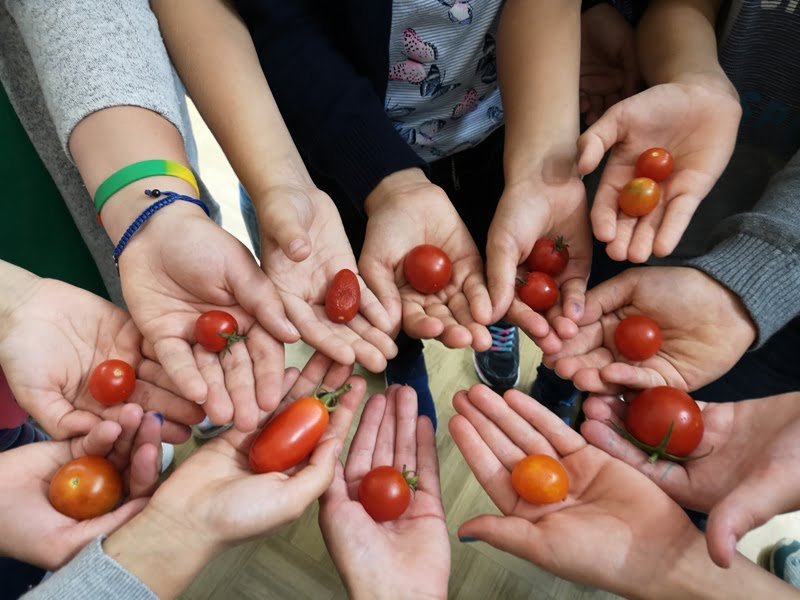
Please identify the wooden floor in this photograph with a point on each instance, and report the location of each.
(294, 564)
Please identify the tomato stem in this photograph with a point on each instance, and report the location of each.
(559, 243)
(230, 339)
(411, 477)
(656, 452)
(331, 399)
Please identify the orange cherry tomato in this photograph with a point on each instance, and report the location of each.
(291, 436)
(85, 488)
(540, 479)
(639, 197)
(112, 381)
(343, 298)
(655, 163)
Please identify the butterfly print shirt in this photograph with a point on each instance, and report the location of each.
(442, 95)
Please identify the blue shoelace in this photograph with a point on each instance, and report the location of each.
(502, 338)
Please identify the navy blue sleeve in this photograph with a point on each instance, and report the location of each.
(333, 111)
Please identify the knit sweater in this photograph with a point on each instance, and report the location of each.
(62, 60)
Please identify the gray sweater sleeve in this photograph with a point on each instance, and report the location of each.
(96, 54)
(757, 254)
(91, 574)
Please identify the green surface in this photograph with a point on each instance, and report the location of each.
(36, 229)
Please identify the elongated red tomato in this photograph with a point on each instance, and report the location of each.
(112, 381)
(85, 488)
(291, 436)
(343, 298)
(385, 492)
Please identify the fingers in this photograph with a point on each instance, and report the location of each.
(267, 356)
(374, 311)
(563, 438)
(379, 278)
(99, 441)
(342, 417)
(637, 378)
(383, 453)
(277, 210)
(176, 356)
(319, 334)
(70, 424)
(241, 386)
(333, 496)
(427, 459)
(596, 141)
(217, 404)
(514, 535)
(257, 295)
(155, 391)
(478, 297)
(531, 322)
(679, 211)
(108, 523)
(308, 484)
(405, 443)
(362, 448)
(145, 463)
(417, 323)
(129, 419)
(502, 258)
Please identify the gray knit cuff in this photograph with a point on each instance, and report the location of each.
(91, 574)
(765, 277)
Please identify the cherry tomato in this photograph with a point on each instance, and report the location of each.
(540, 479)
(655, 163)
(385, 492)
(112, 382)
(638, 337)
(639, 197)
(549, 256)
(85, 488)
(651, 414)
(292, 435)
(538, 290)
(217, 330)
(343, 297)
(427, 268)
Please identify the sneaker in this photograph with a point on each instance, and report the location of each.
(498, 367)
(558, 395)
(167, 455)
(414, 373)
(205, 429)
(784, 561)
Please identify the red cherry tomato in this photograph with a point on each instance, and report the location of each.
(651, 413)
(343, 297)
(427, 268)
(549, 256)
(112, 382)
(539, 291)
(85, 488)
(292, 435)
(655, 163)
(639, 197)
(638, 337)
(540, 479)
(216, 331)
(385, 493)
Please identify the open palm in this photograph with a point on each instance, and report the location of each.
(697, 123)
(56, 335)
(705, 330)
(370, 554)
(302, 285)
(458, 314)
(602, 533)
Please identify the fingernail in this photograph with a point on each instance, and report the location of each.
(291, 328)
(296, 245)
(467, 538)
(159, 416)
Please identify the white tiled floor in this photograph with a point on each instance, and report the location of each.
(219, 177)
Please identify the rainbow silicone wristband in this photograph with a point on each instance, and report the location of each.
(146, 168)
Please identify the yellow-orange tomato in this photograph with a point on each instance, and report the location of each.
(85, 488)
(639, 197)
(540, 479)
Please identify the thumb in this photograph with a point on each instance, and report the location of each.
(335, 494)
(278, 215)
(597, 140)
(746, 507)
(502, 257)
(514, 535)
(308, 484)
(109, 522)
(611, 294)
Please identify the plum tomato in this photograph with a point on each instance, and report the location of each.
(639, 197)
(343, 297)
(217, 330)
(427, 268)
(85, 488)
(538, 290)
(655, 163)
(291, 435)
(549, 256)
(540, 479)
(385, 492)
(637, 337)
(666, 422)
(112, 381)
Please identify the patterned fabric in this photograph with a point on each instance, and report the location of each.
(442, 94)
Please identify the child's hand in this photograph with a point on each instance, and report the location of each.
(696, 121)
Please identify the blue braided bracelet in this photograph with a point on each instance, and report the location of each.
(168, 198)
